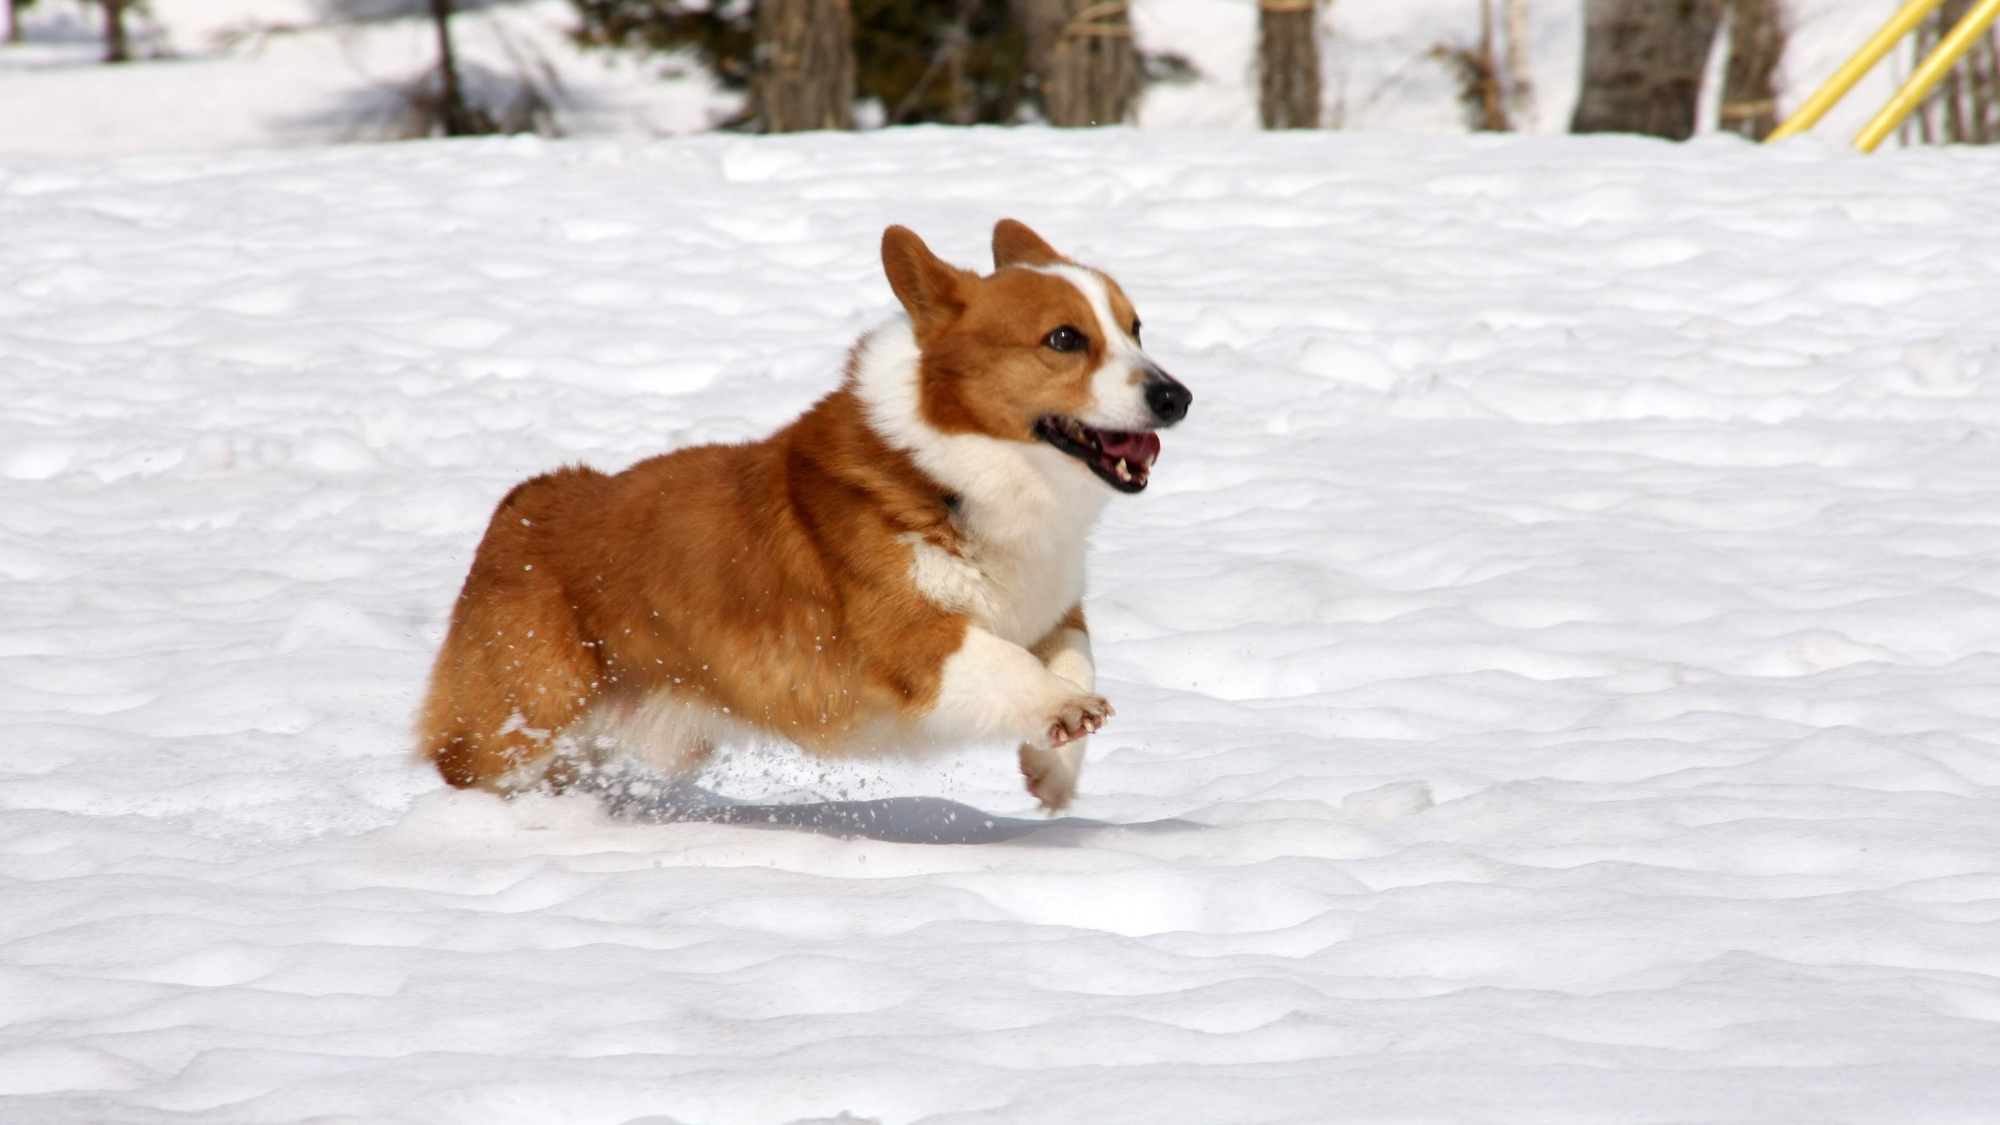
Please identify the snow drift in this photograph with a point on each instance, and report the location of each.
(1554, 667)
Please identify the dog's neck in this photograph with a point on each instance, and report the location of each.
(1011, 496)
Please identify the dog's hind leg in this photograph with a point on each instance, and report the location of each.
(512, 676)
(668, 734)
(515, 670)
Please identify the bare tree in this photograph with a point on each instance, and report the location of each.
(454, 116)
(1756, 47)
(1084, 65)
(14, 19)
(961, 61)
(1520, 65)
(454, 96)
(1965, 108)
(966, 76)
(803, 70)
(1288, 63)
(117, 43)
(1642, 65)
(1480, 89)
(1041, 25)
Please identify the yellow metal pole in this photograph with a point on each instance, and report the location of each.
(1850, 72)
(1929, 73)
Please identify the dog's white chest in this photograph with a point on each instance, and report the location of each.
(1013, 593)
(1025, 511)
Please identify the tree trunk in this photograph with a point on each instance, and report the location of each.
(117, 48)
(1982, 68)
(947, 64)
(1288, 63)
(1965, 108)
(1756, 47)
(1492, 103)
(13, 21)
(1642, 65)
(1085, 68)
(804, 77)
(1520, 66)
(1041, 25)
(453, 114)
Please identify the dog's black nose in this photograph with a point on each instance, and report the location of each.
(1168, 398)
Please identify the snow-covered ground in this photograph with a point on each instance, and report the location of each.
(1555, 662)
(264, 73)
(222, 83)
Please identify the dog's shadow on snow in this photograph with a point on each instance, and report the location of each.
(898, 820)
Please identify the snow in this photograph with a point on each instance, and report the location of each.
(1554, 662)
(262, 73)
(305, 80)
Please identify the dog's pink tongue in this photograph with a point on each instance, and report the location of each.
(1136, 448)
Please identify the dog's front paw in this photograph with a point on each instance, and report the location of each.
(1078, 717)
(1051, 772)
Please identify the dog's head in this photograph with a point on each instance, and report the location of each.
(1040, 350)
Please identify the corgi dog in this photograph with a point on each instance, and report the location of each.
(901, 567)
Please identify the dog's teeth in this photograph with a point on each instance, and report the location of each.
(1124, 473)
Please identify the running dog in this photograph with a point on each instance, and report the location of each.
(901, 567)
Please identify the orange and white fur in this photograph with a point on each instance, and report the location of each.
(901, 567)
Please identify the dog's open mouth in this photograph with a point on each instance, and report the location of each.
(1123, 458)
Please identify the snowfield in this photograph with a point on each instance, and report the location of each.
(1555, 662)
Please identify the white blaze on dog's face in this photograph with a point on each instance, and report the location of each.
(1042, 350)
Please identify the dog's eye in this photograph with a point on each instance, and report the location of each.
(1066, 339)
(1135, 332)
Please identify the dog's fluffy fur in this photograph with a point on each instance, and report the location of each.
(902, 566)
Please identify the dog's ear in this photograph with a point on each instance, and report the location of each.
(931, 289)
(1015, 245)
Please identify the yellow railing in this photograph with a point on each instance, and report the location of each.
(1928, 73)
